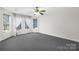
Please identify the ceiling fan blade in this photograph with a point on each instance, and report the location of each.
(42, 10)
(41, 13)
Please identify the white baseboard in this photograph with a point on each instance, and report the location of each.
(4, 36)
(76, 40)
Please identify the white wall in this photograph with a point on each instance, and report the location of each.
(60, 22)
(12, 25)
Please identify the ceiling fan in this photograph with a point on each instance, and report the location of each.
(39, 11)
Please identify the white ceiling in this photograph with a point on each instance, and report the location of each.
(22, 10)
(50, 11)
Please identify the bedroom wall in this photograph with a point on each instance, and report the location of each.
(12, 25)
(60, 22)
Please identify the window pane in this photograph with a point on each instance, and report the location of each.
(34, 23)
(5, 23)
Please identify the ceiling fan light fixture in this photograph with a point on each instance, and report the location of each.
(38, 11)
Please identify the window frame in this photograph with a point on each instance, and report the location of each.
(35, 23)
(8, 23)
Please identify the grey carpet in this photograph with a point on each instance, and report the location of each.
(38, 42)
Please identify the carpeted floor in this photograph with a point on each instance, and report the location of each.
(38, 42)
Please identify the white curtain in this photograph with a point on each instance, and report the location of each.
(28, 21)
(20, 19)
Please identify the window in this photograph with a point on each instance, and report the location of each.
(34, 23)
(5, 23)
